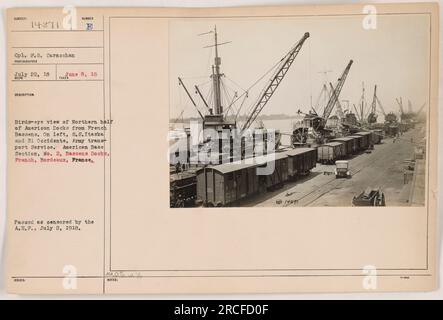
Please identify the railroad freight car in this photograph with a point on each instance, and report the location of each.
(366, 139)
(182, 189)
(300, 161)
(391, 130)
(349, 143)
(377, 136)
(359, 143)
(224, 184)
(275, 171)
(330, 152)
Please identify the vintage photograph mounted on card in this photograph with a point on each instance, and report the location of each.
(299, 111)
(222, 150)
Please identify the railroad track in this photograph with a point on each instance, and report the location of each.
(328, 186)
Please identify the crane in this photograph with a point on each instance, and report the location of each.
(197, 90)
(381, 106)
(362, 104)
(400, 104)
(324, 95)
(409, 106)
(357, 113)
(269, 90)
(421, 108)
(372, 117)
(336, 92)
(341, 115)
(180, 81)
(347, 105)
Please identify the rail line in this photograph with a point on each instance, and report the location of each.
(319, 192)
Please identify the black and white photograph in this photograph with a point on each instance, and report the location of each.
(299, 111)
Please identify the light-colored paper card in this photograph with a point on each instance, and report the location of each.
(117, 182)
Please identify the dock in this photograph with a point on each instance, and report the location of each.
(417, 193)
(382, 168)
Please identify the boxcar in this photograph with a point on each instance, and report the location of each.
(329, 152)
(274, 169)
(350, 144)
(300, 161)
(182, 189)
(224, 184)
(310, 161)
(359, 143)
(377, 136)
(366, 140)
(391, 130)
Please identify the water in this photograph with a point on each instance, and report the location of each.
(283, 125)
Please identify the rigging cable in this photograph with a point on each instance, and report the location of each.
(310, 72)
(264, 75)
(241, 105)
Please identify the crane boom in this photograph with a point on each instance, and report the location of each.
(374, 100)
(190, 97)
(274, 83)
(357, 113)
(197, 89)
(381, 106)
(400, 104)
(341, 115)
(421, 108)
(336, 93)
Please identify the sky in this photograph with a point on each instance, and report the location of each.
(394, 56)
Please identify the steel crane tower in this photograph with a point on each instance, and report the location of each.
(275, 81)
(336, 93)
(372, 117)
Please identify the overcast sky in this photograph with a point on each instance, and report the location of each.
(395, 56)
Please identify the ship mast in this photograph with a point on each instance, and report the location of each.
(216, 116)
(216, 77)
